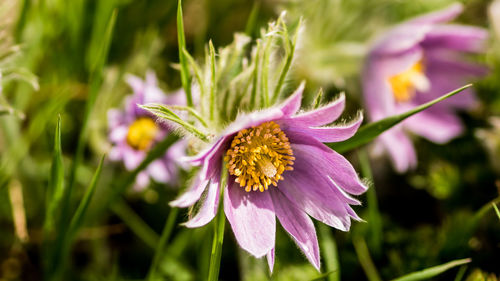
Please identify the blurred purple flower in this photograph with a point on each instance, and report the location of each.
(415, 62)
(133, 131)
(278, 147)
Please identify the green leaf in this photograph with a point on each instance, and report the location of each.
(81, 211)
(55, 189)
(213, 83)
(370, 131)
(165, 113)
(218, 239)
(365, 260)
(432, 271)
(181, 41)
(330, 253)
(496, 210)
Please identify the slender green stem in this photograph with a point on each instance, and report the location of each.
(288, 62)
(213, 84)
(219, 224)
(365, 260)
(181, 40)
(329, 249)
(255, 81)
(165, 235)
(136, 224)
(375, 219)
(265, 73)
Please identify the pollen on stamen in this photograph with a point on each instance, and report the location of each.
(259, 156)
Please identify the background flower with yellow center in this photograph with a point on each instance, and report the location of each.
(133, 132)
(262, 148)
(414, 63)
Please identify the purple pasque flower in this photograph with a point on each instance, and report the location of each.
(416, 62)
(133, 131)
(278, 167)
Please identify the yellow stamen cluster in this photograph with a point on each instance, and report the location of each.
(404, 84)
(141, 133)
(258, 156)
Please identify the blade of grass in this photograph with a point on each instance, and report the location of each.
(252, 18)
(81, 211)
(496, 209)
(55, 189)
(375, 220)
(165, 235)
(136, 224)
(218, 239)
(330, 254)
(369, 132)
(461, 273)
(95, 83)
(365, 260)
(213, 82)
(432, 271)
(181, 40)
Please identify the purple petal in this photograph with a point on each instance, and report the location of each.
(131, 157)
(209, 208)
(292, 104)
(457, 37)
(441, 16)
(159, 171)
(400, 149)
(323, 115)
(118, 134)
(299, 225)
(327, 161)
(399, 40)
(135, 83)
(141, 181)
(115, 118)
(446, 74)
(190, 197)
(251, 215)
(438, 127)
(270, 260)
(328, 134)
(378, 94)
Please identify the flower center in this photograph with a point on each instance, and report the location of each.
(259, 155)
(141, 133)
(405, 84)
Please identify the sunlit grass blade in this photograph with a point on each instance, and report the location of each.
(330, 253)
(496, 210)
(365, 260)
(428, 273)
(181, 42)
(55, 189)
(81, 211)
(160, 248)
(374, 217)
(370, 131)
(218, 239)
